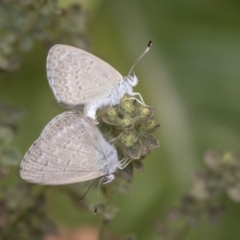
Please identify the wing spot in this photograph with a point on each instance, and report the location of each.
(45, 164)
(83, 131)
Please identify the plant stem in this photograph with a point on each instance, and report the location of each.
(103, 229)
(108, 192)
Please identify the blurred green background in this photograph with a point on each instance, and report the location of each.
(191, 77)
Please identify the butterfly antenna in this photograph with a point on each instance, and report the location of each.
(144, 52)
(96, 207)
(87, 190)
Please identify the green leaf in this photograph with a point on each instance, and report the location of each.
(150, 142)
(133, 152)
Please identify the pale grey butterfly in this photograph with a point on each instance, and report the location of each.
(70, 149)
(77, 77)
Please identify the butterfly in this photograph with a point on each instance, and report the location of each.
(70, 149)
(77, 77)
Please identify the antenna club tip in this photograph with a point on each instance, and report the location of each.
(150, 43)
(95, 211)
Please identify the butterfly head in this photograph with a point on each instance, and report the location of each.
(132, 80)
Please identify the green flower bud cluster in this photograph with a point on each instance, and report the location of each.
(133, 125)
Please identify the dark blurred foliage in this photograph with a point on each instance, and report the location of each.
(23, 213)
(9, 118)
(205, 199)
(24, 22)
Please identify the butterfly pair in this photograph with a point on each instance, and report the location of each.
(71, 149)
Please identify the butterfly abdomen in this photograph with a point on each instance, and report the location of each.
(113, 99)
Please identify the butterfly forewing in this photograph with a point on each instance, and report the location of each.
(36, 167)
(77, 77)
(70, 149)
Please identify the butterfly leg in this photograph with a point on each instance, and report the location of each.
(114, 139)
(139, 95)
(124, 162)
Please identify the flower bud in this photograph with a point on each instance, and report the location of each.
(128, 139)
